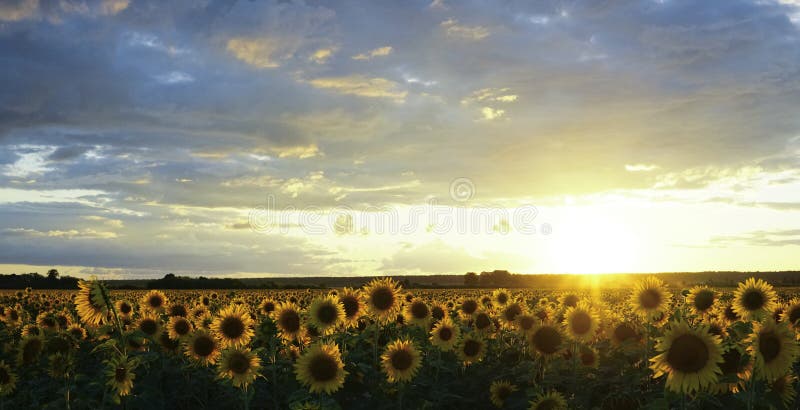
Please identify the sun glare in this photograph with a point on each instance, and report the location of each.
(594, 247)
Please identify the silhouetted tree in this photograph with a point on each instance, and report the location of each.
(471, 280)
(52, 274)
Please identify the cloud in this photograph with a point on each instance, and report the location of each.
(640, 167)
(361, 86)
(322, 55)
(174, 77)
(258, 52)
(490, 113)
(66, 234)
(783, 237)
(454, 29)
(377, 52)
(18, 10)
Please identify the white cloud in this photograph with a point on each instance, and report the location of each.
(453, 29)
(378, 52)
(174, 77)
(361, 86)
(490, 113)
(640, 167)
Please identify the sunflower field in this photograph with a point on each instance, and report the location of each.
(381, 346)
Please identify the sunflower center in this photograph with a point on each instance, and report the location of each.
(769, 345)
(502, 298)
(731, 314)
(471, 347)
(703, 300)
(203, 346)
(469, 306)
(688, 354)
(31, 350)
(570, 301)
(794, 315)
(437, 312)
(548, 404)
(238, 363)
(232, 327)
(547, 340)
(155, 301)
(327, 314)
(269, 307)
(753, 300)
(512, 311)
(624, 332)
(587, 358)
(419, 310)
(650, 299)
(125, 308)
(526, 322)
(401, 359)
(730, 364)
(503, 392)
(350, 305)
(382, 298)
(483, 321)
(120, 374)
(148, 326)
(445, 333)
(177, 310)
(181, 327)
(581, 323)
(289, 321)
(323, 368)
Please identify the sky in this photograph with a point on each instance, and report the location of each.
(317, 138)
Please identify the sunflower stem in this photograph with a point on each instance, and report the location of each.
(246, 398)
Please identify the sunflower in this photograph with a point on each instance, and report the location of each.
(326, 313)
(77, 332)
(468, 307)
(287, 318)
(47, 321)
(690, 358)
(624, 332)
(199, 314)
(383, 299)
(353, 304)
(445, 334)
(471, 349)
(90, 303)
(568, 300)
(29, 350)
(736, 369)
(400, 361)
(124, 309)
(239, 365)
(483, 323)
(784, 388)
(178, 327)
(202, 348)
(119, 370)
(581, 321)
(417, 313)
(525, 323)
(650, 297)
(546, 339)
(501, 297)
(266, 306)
(774, 348)
(154, 301)
(549, 401)
(754, 299)
(499, 391)
(233, 326)
(728, 313)
(320, 368)
(509, 313)
(8, 380)
(59, 365)
(701, 300)
(150, 325)
(589, 356)
(791, 315)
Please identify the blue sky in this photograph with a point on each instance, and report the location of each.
(138, 137)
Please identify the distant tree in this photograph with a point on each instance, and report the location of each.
(471, 279)
(52, 274)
